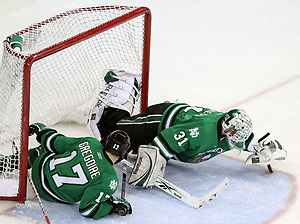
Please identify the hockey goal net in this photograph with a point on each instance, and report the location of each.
(58, 76)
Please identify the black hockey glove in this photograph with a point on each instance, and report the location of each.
(38, 129)
(121, 207)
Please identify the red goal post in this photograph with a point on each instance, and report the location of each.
(57, 76)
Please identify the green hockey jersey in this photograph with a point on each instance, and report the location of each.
(191, 134)
(73, 170)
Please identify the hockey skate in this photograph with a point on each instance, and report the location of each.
(121, 91)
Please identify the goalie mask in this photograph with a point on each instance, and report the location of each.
(117, 143)
(237, 127)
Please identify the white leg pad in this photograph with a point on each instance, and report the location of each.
(149, 165)
(122, 93)
(94, 117)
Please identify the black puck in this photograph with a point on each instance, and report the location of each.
(270, 168)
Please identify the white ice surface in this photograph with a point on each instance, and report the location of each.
(9, 187)
(219, 54)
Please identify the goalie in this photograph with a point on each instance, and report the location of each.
(176, 131)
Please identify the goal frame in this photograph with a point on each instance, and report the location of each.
(31, 59)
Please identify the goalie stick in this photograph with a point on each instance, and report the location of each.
(182, 195)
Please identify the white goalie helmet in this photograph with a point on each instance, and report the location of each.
(237, 127)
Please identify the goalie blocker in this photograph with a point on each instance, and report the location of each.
(149, 165)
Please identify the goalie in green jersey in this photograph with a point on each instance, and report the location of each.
(178, 131)
(68, 170)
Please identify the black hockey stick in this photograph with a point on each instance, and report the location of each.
(124, 176)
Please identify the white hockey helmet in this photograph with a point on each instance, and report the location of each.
(237, 127)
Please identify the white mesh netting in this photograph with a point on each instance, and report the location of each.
(65, 84)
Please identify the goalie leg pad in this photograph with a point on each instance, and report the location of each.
(122, 90)
(94, 117)
(149, 165)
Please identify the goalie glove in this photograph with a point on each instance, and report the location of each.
(149, 165)
(267, 151)
(120, 206)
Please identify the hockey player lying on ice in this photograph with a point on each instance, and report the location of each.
(173, 130)
(60, 157)
(67, 170)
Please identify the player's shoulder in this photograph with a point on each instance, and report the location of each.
(91, 140)
(87, 143)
